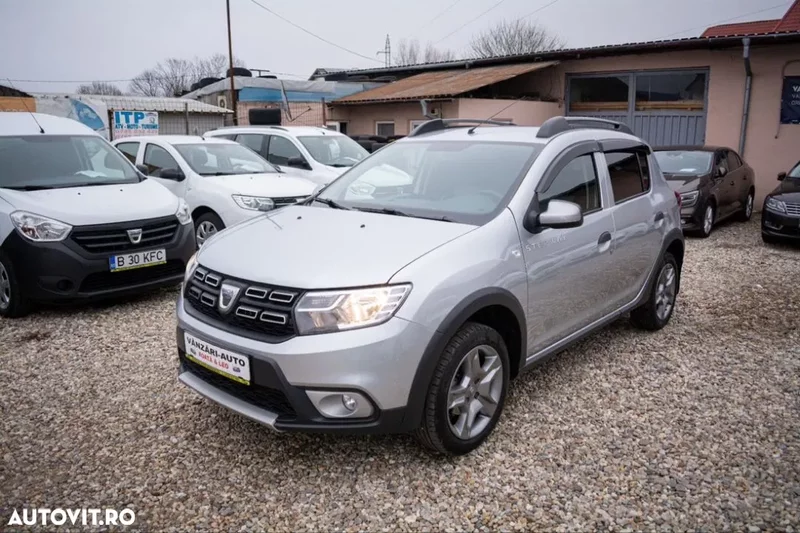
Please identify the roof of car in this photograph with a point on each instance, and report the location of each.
(24, 123)
(292, 130)
(175, 139)
(690, 148)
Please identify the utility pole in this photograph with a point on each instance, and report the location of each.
(387, 52)
(230, 67)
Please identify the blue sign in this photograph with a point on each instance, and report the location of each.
(790, 100)
(129, 123)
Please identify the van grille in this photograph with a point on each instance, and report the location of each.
(113, 238)
(262, 312)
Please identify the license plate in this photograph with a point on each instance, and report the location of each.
(223, 362)
(117, 263)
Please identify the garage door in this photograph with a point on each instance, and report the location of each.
(664, 108)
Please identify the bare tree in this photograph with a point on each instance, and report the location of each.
(409, 52)
(174, 76)
(511, 37)
(146, 84)
(100, 87)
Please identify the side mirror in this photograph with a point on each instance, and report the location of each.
(173, 174)
(143, 169)
(297, 162)
(721, 171)
(560, 214)
(781, 176)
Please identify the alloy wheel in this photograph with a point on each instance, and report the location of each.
(474, 392)
(5, 288)
(708, 220)
(204, 230)
(749, 207)
(665, 291)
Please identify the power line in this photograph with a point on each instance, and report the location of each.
(725, 20)
(323, 39)
(540, 9)
(131, 79)
(442, 12)
(466, 23)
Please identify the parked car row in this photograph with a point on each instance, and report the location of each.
(402, 296)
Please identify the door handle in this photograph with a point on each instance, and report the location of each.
(732, 183)
(604, 238)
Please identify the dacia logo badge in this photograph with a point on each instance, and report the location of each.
(135, 235)
(228, 294)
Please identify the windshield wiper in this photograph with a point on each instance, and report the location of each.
(331, 203)
(396, 212)
(26, 187)
(339, 165)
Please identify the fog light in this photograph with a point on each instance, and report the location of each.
(350, 403)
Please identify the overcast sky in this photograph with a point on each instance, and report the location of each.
(117, 39)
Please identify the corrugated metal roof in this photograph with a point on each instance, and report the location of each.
(442, 84)
(742, 28)
(155, 103)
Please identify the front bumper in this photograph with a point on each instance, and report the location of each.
(692, 217)
(378, 362)
(64, 272)
(780, 226)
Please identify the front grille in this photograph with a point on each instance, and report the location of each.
(793, 209)
(113, 238)
(272, 400)
(263, 312)
(288, 200)
(103, 281)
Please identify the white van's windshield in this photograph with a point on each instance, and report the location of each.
(33, 162)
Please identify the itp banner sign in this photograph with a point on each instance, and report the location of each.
(131, 123)
(790, 100)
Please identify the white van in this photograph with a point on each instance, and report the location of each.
(78, 221)
(223, 182)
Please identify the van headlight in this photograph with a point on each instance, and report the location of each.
(37, 228)
(191, 264)
(329, 311)
(254, 203)
(183, 213)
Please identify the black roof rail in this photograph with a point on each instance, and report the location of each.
(439, 124)
(554, 126)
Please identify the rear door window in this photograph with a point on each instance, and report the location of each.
(253, 141)
(629, 172)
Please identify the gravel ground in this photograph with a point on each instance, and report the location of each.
(696, 427)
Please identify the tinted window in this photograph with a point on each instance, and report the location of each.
(721, 159)
(157, 159)
(733, 161)
(602, 93)
(252, 141)
(672, 90)
(795, 172)
(281, 150)
(629, 173)
(577, 182)
(129, 150)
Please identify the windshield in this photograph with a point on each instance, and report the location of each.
(223, 159)
(795, 172)
(334, 150)
(468, 182)
(684, 162)
(33, 162)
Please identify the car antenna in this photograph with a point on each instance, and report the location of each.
(518, 100)
(22, 100)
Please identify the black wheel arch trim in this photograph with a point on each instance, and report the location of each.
(453, 321)
(673, 236)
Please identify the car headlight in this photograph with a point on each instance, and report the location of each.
(191, 264)
(328, 311)
(775, 205)
(254, 203)
(38, 228)
(183, 213)
(688, 199)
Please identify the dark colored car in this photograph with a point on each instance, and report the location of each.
(714, 184)
(780, 220)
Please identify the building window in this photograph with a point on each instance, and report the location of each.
(671, 91)
(384, 129)
(414, 123)
(599, 93)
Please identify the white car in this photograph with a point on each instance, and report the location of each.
(317, 154)
(223, 182)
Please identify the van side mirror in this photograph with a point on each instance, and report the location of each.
(174, 174)
(298, 162)
(559, 214)
(781, 176)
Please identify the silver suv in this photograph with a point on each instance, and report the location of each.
(407, 294)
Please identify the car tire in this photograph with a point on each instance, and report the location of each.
(467, 372)
(207, 225)
(13, 303)
(651, 315)
(746, 213)
(706, 228)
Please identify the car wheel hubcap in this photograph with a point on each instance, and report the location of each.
(708, 220)
(205, 230)
(475, 392)
(5, 288)
(665, 292)
(749, 208)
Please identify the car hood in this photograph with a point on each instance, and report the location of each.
(321, 248)
(788, 190)
(101, 204)
(267, 185)
(684, 182)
